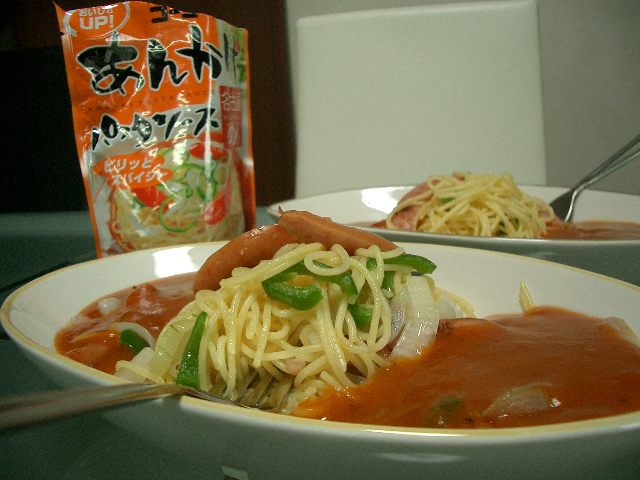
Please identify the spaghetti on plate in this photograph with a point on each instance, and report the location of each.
(478, 204)
(309, 318)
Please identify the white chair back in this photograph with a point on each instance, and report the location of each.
(392, 96)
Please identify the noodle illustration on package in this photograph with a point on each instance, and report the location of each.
(160, 102)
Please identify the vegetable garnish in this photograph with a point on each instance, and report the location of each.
(416, 262)
(440, 413)
(419, 264)
(387, 279)
(188, 371)
(304, 298)
(132, 340)
(343, 280)
(387, 283)
(361, 314)
(300, 298)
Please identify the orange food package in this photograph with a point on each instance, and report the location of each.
(161, 115)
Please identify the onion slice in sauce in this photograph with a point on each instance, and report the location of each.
(107, 305)
(522, 400)
(419, 313)
(137, 369)
(623, 329)
(137, 328)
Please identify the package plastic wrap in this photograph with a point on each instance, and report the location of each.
(161, 114)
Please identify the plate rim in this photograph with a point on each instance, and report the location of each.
(476, 242)
(576, 429)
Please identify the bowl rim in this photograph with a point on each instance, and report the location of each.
(551, 432)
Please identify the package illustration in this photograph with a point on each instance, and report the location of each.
(161, 113)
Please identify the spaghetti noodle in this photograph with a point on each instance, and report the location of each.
(250, 338)
(471, 204)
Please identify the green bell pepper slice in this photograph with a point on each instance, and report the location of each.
(416, 262)
(189, 368)
(300, 298)
(132, 340)
(361, 314)
(304, 298)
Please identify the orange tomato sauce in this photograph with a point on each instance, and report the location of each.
(594, 230)
(91, 339)
(580, 367)
(585, 230)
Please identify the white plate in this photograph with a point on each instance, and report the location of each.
(253, 444)
(616, 258)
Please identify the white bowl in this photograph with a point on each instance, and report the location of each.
(266, 445)
(615, 258)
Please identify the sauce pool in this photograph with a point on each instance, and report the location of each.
(594, 230)
(585, 230)
(89, 339)
(547, 365)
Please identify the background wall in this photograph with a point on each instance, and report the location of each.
(590, 51)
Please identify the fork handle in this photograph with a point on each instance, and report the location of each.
(616, 161)
(26, 410)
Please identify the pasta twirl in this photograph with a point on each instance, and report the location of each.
(252, 340)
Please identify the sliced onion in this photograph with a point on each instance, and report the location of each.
(88, 326)
(522, 400)
(137, 328)
(623, 329)
(80, 319)
(420, 317)
(400, 304)
(108, 304)
(447, 309)
(137, 369)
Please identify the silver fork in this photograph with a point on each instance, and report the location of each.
(564, 205)
(31, 409)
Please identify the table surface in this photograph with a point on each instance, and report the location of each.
(86, 446)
